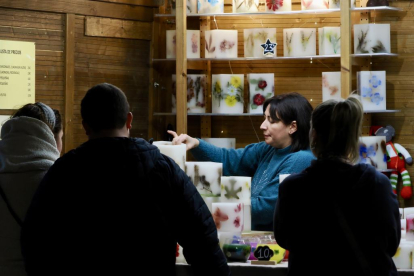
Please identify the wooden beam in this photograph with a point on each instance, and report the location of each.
(346, 62)
(151, 95)
(107, 27)
(148, 3)
(83, 7)
(69, 80)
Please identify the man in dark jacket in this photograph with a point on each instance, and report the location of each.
(116, 205)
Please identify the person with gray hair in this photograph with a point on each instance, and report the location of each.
(344, 215)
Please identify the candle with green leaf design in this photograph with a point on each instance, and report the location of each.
(329, 41)
(240, 6)
(261, 88)
(299, 42)
(256, 42)
(227, 93)
(236, 189)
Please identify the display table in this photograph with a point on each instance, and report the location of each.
(247, 269)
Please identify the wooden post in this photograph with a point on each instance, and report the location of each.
(346, 62)
(69, 80)
(206, 120)
(151, 102)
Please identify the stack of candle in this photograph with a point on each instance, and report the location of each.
(227, 93)
(175, 152)
(221, 44)
(196, 85)
(260, 42)
(299, 42)
(371, 87)
(261, 88)
(372, 38)
(331, 86)
(193, 44)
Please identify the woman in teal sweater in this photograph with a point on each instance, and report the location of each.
(285, 151)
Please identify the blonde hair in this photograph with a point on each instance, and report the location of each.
(338, 127)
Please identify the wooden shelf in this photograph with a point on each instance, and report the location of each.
(382, 111)
(207, 114)
(375, 55)
(248, 58)
(380, 8)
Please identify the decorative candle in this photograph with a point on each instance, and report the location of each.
(210, 6)
(336, 4)
(260, 42)
(403, 257)
(227, 93)
(329, 41)
(407, 211)
(314, 5)
(371, 152)
(331, 86)
(236, 189)
(221, 44)
(228, 143)
(175, 152)
(278, 5)
(196, 85)
(205, 176)
(191, 7)
(283, 176)
(180, 256)
(372, 38)
(299, 42)
(208, 199)
(261, 88)
(171, 43)
(228, 217)
(193, 43)
(409, 236)
(247, 225)
(371, 87)
(240, 6)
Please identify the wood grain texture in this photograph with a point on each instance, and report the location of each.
(148, 3)
(69, 80)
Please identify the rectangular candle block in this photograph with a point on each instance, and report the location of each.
(236, 189)
(175, 152)
(180, 259)
(210, 6)
(206, 177)
(196, 87)
(193, 44)
(336, 4)
(329, 41)
(403, 257)
(227, 143)
(228, 216)
(331, 86)
(299, 42)
(372, 38)
(256, 42)
(314, 5)
(371, 152)
(171, 43)
(209, 200)
(191, 7)
(221, 44)
(371, 87)
(240, 6)
(227, 93)
(261, 88)
(247, 217)
(407, 211)
(278, 5)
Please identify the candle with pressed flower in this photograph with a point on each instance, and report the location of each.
(180, 259)
(210, 6)
(228, 216)
(299, 42)
(329, 41)
(314, 5)
(371, 87)
(261, 88)
(196, 85)
(331, 86)
(372, 38)
(256, 45)
(409, 236)
(236, 189)
(371, 152)
(193, 43)
(221, 44)
(240, 6)
(191, 7)
(206, 177)
(227, 93)
(403, 257)
(278, 5)
(175, 152)
(171, 45)
(227, 143)
(336, 4)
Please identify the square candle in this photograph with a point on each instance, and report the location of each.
(240, 6)
(299, 42)
(331, 86)
(228, 216)
(372, 38)
(191, 7)
(175, 152)
(314, 5)
(227, 143)
(196, 87)
(336, 4)
(371, 152)
(227, 93)
(329, 41)
(210, 6)
(236, 189)
(260, 42)
(278, 5)
(221, 44)
(193, 44)
(261, 88)
(371, 87)
(403, 257)
(407, 211)
(247, 221)
(206, 177)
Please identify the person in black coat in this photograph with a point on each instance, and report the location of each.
(116, 205)
(337, 218)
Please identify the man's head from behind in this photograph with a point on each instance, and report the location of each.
(105, 112)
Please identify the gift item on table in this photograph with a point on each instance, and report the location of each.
(227, 143)
(227, 93)
(228, 216)
(210, 6)
(261, 88)
(331, 86)
(409, 236)
(314, 5)
(221, 44)
(329, 41)
(403, 257)
(206, 177)
(176, 152)
(278, 5)
(299, 42)
(240, 6)
(372, 38)
(271, 252)
(193, 44)
(372, 151)
(236, 189)
(196, 87)
(371, 86)
(236, 250)
(260, 42)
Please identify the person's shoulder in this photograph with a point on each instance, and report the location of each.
(302, 156)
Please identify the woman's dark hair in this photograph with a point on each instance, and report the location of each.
(291, 107)
(35, 111)
(58, 122)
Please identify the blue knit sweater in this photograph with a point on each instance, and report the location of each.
(263, 163)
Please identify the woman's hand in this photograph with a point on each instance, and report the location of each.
(184, 138)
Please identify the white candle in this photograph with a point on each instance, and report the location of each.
(193, 43)
(371, 152)
(247, 221)
(196, 85)
(372, 38)
(209, 201)
(256, 42)
(283, 176)
(208, 6)
(407, 211)
(329, 41)
(240, 6)
(314, 5)
(206, 176)
(175, 152)
(227, 93)
(228, 216)
(236, 189)
(278, 5)
(228, 143)
(371, 87)
(403, 257)
(299, 42)
(261, 88)
(180, 259)
(331, 86)
(409, 236)
(221, 44)
(336, 4)
(171, 43)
